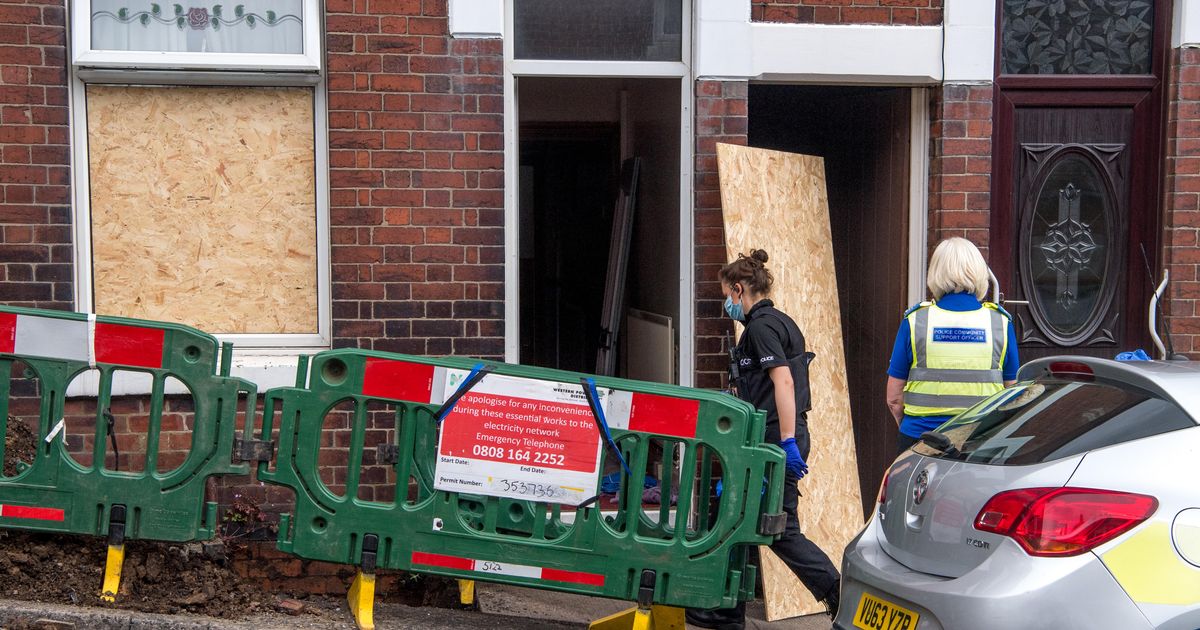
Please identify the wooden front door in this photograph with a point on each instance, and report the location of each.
(1078, 157)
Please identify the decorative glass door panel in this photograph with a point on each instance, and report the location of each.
(1067, 247)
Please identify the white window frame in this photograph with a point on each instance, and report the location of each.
(681, 70)
(84, 56)
(268, 355)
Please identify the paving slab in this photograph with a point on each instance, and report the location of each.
(579, 610)
(501, 607)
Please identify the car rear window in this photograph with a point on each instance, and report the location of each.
(1050, 419)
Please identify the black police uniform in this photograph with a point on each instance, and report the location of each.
(773, 339)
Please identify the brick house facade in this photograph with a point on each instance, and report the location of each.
(35, 264)
(417, 170)
(911, 12)
(416, 181)
(1182, 201)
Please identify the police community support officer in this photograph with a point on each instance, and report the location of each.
(771, 365)
(952, 352)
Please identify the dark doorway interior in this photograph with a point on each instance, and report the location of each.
(574, 135)
(570, 177)
(863, 134)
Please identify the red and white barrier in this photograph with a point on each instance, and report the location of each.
(506, 568)
(81, 340)
(633, 411)
(32, 512)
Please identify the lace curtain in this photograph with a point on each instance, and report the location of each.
(245, 26)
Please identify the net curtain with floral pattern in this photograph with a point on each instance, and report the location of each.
(243, 26)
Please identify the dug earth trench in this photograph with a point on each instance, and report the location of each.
(195, 578)
(230, 577)
(20, 445)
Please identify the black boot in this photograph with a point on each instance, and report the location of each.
(833, 599)
(718, 619)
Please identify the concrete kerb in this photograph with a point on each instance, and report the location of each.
(41, 616)
(502, 607)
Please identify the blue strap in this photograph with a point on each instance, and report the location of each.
(593, 396)
(477, 373)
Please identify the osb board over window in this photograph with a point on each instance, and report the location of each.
(203, 204)
(777, 202)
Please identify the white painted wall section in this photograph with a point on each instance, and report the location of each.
(887, 54)
(477, 18)
(1185, 29)
(970, 27)
(730, 46)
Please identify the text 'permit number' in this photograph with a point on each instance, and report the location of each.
(874, 613)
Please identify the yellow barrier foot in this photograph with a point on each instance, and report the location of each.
(466, 592)
(112, 572)
(654, 618)
(362, 600)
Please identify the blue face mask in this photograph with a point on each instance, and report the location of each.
(734, 309)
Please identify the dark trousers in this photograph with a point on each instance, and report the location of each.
(903, 443)
(800, 554)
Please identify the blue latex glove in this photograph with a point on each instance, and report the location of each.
(795, 463)
(1136, 355)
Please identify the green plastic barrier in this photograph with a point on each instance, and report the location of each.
(691, 553)
(54, 492)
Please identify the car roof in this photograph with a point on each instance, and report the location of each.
(1176, 380)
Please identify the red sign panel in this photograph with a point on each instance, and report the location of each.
(398, 380)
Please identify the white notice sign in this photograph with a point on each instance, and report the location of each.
(520, 438)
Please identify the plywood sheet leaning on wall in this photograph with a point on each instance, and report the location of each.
(203, 204)
(777, 202)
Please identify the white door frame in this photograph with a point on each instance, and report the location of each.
(514, 68)
(918, 193)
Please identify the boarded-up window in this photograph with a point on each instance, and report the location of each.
(203, 206)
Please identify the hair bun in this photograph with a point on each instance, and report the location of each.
(759, 255)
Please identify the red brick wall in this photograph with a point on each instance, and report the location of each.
(961, 164)
(277, 571)
(910, 12)
(1181, 247)
(720, 117)
(416, 181)
(35, 194)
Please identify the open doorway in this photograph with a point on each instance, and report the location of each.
(575, 135)
(863, 134)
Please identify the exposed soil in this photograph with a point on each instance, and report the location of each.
(158, 577)
(20, 445)
(168, 578)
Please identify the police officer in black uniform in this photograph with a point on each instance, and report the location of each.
(770, 371)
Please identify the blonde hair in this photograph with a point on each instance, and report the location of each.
(957, 266)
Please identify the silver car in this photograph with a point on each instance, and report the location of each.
(1070, 500)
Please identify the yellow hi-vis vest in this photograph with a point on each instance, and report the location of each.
(957, 359)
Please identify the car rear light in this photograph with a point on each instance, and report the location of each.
(1071, 369)
(1063, 521)
(883, 488)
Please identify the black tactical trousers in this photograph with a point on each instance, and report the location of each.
(802, 555)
